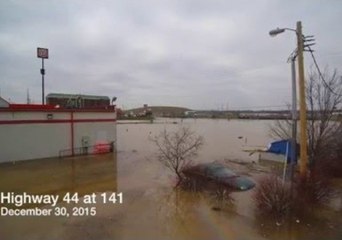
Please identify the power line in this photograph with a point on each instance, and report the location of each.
(321, 75)
(331, 54)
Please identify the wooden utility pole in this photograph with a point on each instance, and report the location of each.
(302, 100)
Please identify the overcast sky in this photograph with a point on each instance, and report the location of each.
(213, 54)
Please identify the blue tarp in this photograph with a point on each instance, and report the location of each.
(283, 147)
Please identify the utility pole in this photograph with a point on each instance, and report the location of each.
(294, 117)
(302, 101)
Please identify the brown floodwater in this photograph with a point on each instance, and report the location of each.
(223, 138)
(152, 208)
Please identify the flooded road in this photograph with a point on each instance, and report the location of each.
(151, 208)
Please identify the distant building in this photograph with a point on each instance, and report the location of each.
(77, 100)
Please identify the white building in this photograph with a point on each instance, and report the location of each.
(37, 131)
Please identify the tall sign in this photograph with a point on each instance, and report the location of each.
(43, 53)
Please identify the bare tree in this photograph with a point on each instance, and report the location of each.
(281, 129)
(177, 149)
(323, 98)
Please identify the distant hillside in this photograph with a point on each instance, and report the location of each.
(161, 111)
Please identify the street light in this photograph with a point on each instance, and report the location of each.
(303, 133)
(277, 31)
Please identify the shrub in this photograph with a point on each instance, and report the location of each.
(314, 190)
(272, 197)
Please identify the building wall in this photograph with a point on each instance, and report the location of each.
(32, 141)
(101, 131)
(41, 134)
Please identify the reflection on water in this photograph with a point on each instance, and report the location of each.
(85, 174)
(190, 215)
(152, 209)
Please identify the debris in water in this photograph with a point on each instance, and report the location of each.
(216, 208)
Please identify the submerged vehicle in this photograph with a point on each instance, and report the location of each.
(219, 174)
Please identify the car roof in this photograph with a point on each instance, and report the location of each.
(215, 170)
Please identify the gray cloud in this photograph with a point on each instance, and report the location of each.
(195, 53)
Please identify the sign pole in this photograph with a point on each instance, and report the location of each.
(43, 73)
(43, 53)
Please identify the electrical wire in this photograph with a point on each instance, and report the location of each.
(321, 75)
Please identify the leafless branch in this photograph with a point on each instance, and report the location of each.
(321, 107)
(177, 149)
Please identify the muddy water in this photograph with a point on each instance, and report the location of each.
(58, 176)
(223, 138)
(151, 208)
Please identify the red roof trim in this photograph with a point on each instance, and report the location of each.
(31, 106)
(3, 122)
(51, 108)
